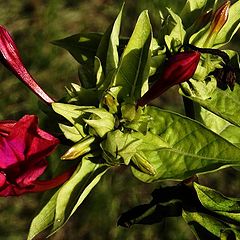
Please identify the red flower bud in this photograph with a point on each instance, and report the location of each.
(179, 68)
(10, 58)
(23, 151)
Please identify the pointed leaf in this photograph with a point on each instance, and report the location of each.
(82, 46)
(70, 132)
(133, 71)
(68, 198)
(203, 225)
(192, 10)
(73, 113)
(101, 121)
(177, 32)
(216, 202)
(107, 50)
(73, 192)
(44, 219)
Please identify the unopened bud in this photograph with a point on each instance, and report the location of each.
(79, 149)
(143, 164)
(179, 68)
(10, 58)
(220, 17)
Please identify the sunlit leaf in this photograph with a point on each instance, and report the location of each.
(132, 73)
(68, 198)
(181, 147)
(224, 103)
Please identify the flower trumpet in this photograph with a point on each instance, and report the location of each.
(10, 58)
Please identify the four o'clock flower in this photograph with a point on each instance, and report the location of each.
(23, 151)
(10, 57)
(179, 68)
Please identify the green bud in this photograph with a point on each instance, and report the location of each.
(79, 149)
(143, 164)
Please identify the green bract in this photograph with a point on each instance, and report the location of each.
(105, 128)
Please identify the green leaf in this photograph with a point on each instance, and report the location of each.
(224, 103)
(178, 147)
(203, 225)
(175, 37)
(98, 69)
(199, 38)
(191, 11)
(176, 6)
(107, 51)
(68, 198)
(74, 114)
(82, 46)
(70, 132)
(132, 73)
(82, 96)
(74, 191)
(44, 219)
(119, 147)
(216, 202)
(100, 120)
(220, 126)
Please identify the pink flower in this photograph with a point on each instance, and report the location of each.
(179, 68)
(10, 58)
(23, 151)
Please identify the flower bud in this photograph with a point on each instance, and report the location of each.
(179, 68)
(220, 17)
(142, 164)
(10, 58)
(82, 147)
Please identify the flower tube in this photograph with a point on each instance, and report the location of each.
(179, 68)
(10, 58)
(23, 151)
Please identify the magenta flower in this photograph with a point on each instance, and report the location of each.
(179, 68)
(10, 58)
(23, 151)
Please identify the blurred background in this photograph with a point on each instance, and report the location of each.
(34, 24)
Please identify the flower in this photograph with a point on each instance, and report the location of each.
(23, 151)
(10, 58)
(179, 68)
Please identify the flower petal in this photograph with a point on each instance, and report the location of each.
(30, 142)
(10, 58)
